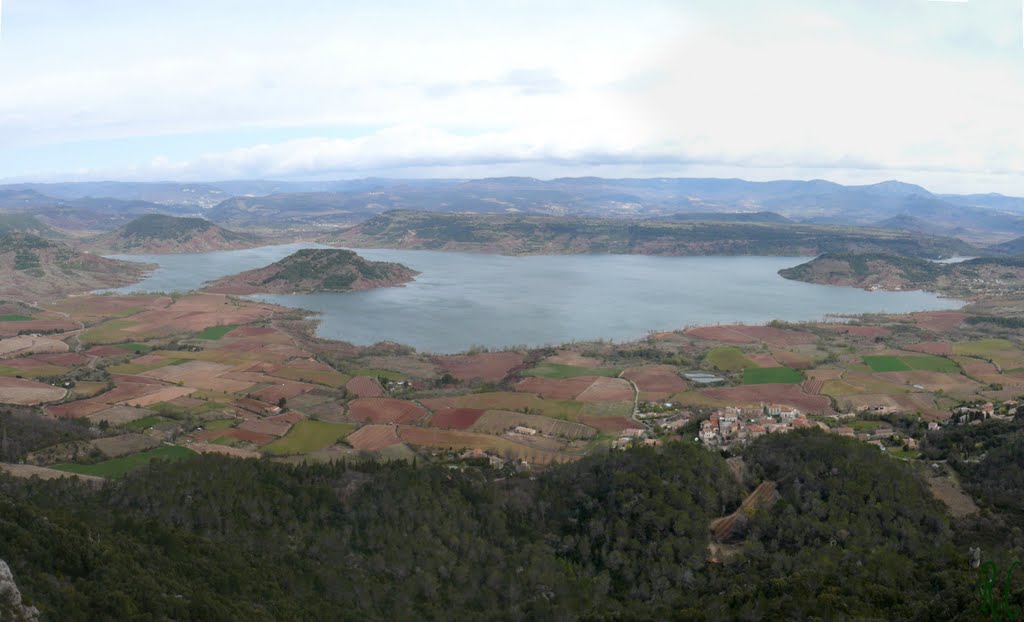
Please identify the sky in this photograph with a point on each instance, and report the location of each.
(854, 91)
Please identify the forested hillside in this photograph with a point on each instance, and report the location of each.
(624, 535)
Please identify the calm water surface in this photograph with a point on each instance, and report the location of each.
(461, 299)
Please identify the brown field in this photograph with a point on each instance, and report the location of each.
(976, 367)
(724, 334)
(488, 366)
(607, 390)
(932, 381)
(92, 308)
(940, 321)
(440, 403)
(788, 394)
(365, 386)
(186, 372)
(117, 446)
(559, 409)
(28, 392)
(245, 332)
(456, 418)
(75, 410)
(374, 437)
(107, 351)
(656, 379)
(456, 441)
(409, 365)
(920, 402)
(938, 348)
(385, 410)
(567, 357)
(778, 336)
(796, 360)
(163, 395)
(556, 388)
(130, 378)
(10, 329)
(27, 344)
(947, 489)
(119, 415)
(610, 424)
(763, 360)
(501, 421)
(248, 436)
(70, 359)
(29, 470)
(813, 387)
(264, 426)
(286, 390)
(289, 418)
(865, 332)
(126, 391)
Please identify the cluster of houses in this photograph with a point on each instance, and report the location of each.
(974, 414)
(736, 425)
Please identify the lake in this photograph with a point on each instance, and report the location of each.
(462, 300)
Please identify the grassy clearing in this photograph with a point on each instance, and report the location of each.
(931, 363)
(33, 372)
(220, 424)
(333, 379)
(138, 368)
(309, 436)
(387, 374)
(728, 358)
(138, 348)
(557, 371)
(107, 332)
(14, 318)
(772, 375)
(886, 363)
(146, 422)
(985, 347)
(118, 467)
(214, 333)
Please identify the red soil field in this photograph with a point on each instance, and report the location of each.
(242, 435)
(265, 426)
(867, 332)
(373, 437)
(813, 387)
(938, 348)
(555, 388)
(940, 321)
(778, 336)
(385, 410)
(566, 357)
(763, 360)
(608, 390)
(287, 418)
(365, 386)
(24, 363)
(456, 418)
(305, 363)
(491, 366)
(64, 359)
(787, 394)
(725, 334)
(126, 391)
(610, 424)
(75, 410)
(656, 378)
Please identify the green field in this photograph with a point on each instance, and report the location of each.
(138, 348)
(308, 436)
(728, 358)
(220, 424)
(14, 318)
(886, 363)
(982, 348)
(214, 333)
(907, 363)
(772, 375)
(554, 370)
(141, 424)
(120, 466)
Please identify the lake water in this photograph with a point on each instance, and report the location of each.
(461, 300)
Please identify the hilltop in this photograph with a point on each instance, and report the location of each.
(158, 233)
(988, 276)
(35, 269)
(540, 235)
(24, 223)
(315, 270)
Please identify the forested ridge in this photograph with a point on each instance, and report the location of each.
(855, 535)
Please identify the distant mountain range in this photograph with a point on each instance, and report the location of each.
(978, 218)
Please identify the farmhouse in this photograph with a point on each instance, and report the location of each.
(521, 429)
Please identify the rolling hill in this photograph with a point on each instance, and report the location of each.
(25, 223)
(539, 235)
(35, 269)
(315, 270)
(159, 233)
(990, 277)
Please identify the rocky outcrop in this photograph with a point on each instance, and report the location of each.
(11, 606)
